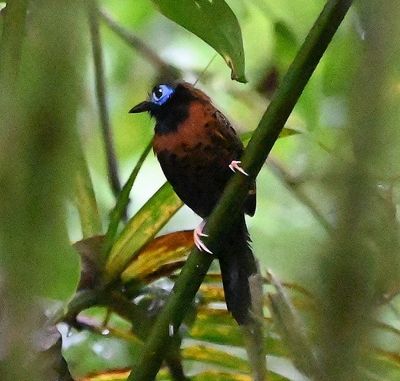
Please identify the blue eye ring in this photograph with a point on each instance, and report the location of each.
(161, 93)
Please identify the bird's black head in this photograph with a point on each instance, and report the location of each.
(158, 99)
(168, 103)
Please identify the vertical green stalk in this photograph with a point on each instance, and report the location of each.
(122, 203)
(255, 155)
(361, 262)
(41, 86)
(14, 302)
(254, 331)
(97, 49)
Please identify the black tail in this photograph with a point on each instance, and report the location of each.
(237, 264)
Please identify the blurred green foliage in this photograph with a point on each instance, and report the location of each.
(327, 213)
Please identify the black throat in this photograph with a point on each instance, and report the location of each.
(170, 115)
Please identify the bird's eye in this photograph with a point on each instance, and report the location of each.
(158, 93)
(161, 94)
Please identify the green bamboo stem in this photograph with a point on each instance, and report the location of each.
(261, 143)
(362, 261)
(97, 48)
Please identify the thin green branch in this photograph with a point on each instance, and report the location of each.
(81, 301)
(102, 97)
(291, 184)
(293, 331)
(234, 195)
(118, 303)
(107, 298)
(254, 331)
(163, 68)
(122, 202)
(104, 330)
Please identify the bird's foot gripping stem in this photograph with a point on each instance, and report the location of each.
(197, 234)
(235, 166)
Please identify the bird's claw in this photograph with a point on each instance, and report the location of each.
(198, 232)
(235, 166)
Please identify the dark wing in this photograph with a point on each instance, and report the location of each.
(230, 135)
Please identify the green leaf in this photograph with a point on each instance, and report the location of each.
(160, 257)
(286, 44)
(382, 365)
(85, 200)
(292, 330)
(163, 375)
(286, 132)
(211, 293)
(220, 376)
(224, 376)
(123, 201)
(218, 327)
(215, 23)
(115, 375)
(141, 229)
(214, 356)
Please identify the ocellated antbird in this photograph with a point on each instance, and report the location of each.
(198, 151)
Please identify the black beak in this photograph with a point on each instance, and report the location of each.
(141, 107)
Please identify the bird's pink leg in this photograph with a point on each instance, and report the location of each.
(197, 234)
(235, 166)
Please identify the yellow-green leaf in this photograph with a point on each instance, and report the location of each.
(211, 293)
(115, 375)
(121, 375)
(220, 376)
(85, 200)
(214, 356)
(123, 201)
(141, 228)
(160, 257)
(218, 327)
(286, 132)
(225, 376)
